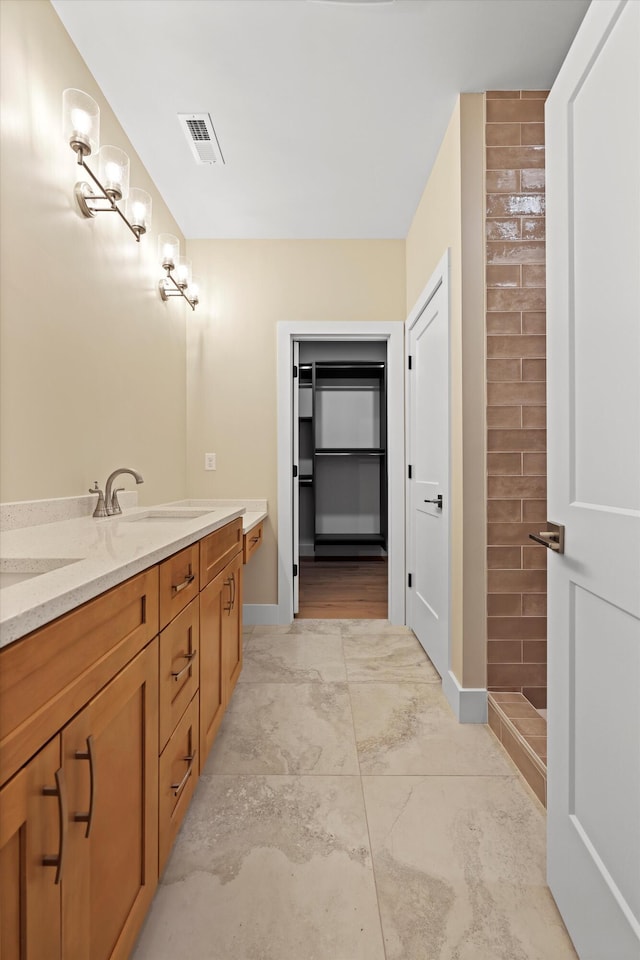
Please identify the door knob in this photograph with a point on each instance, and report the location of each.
(437, 501)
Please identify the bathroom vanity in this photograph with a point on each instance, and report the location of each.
(107, 713)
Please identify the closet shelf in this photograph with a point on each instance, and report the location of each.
(346, 539)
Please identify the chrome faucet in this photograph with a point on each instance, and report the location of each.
(111, 499)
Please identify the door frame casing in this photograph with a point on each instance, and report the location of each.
(393, 334)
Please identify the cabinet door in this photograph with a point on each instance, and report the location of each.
(32, 828)
(211, 692)
(231, 627)
(110, 756)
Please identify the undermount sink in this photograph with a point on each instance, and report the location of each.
(163, 516)
(16, 569)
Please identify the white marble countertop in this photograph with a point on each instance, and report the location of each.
(84, 556)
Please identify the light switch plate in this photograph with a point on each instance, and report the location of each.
(210, 461)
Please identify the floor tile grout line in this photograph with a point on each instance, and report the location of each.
(366, 817)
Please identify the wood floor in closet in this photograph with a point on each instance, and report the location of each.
(343, 589)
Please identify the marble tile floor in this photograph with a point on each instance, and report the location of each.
(343, 814)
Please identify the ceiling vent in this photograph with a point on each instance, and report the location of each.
(201, 137)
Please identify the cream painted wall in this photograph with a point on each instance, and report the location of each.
(449, 215)
(92, 362)
(247, 287)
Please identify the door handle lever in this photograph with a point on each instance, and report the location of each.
(437, 501)
(553, 538)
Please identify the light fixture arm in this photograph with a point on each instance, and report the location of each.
(86, 198)
(169, 287)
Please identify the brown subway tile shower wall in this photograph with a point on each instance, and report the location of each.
(516, 392)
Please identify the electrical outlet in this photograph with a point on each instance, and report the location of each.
(210, 461)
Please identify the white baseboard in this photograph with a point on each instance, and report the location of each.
(259, 614)
(468, 703)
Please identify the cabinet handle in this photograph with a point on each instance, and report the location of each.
(60, 792)
(233, 584)
(186, 656)
(229, 606)
(190, 577)
(178, 787)
(255, 539)
(88, 755)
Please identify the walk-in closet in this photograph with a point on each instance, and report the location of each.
(342, 479)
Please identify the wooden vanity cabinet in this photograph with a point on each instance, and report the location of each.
(179, 582)
(178, 775)
(251, 541)
(179, 720)
(110, 758)
(220, 627)
(232, 627)
(179, 668)
(85, 804)
(106, 717)
(32, 827)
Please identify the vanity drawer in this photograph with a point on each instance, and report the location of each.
(179, 667)
(178, 776)
(49, 675)
(179, 582)
(218, 549)
(251, 541)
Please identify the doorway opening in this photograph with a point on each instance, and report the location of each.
(384, 489)
(341, 483)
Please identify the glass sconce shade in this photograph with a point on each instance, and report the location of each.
(168, 250)
(113, 172)
(139, 209)
(194, 290)
(80, 121)
(183, 272)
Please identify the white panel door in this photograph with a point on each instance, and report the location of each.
(593, 263)
(428, 454)
(295, 487)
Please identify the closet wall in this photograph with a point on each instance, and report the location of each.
(343, 493)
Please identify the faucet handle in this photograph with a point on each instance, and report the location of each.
(100, 510)
(115, 506)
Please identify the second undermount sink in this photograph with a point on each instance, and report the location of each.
(175, 513)
(16, 569)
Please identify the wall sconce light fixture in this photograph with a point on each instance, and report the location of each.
(178, 279)
(81, 127)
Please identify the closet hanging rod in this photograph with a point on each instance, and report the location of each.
(350, 453)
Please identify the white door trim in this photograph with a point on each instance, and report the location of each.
(393, 334)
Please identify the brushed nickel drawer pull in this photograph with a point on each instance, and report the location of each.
(255, 539)
(88, 755)
(233, 584)
(58, 791)
(229, 606)
(186, 656)
(190, 577)
(178, 787)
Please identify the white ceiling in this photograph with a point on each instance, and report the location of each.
(329, 114)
